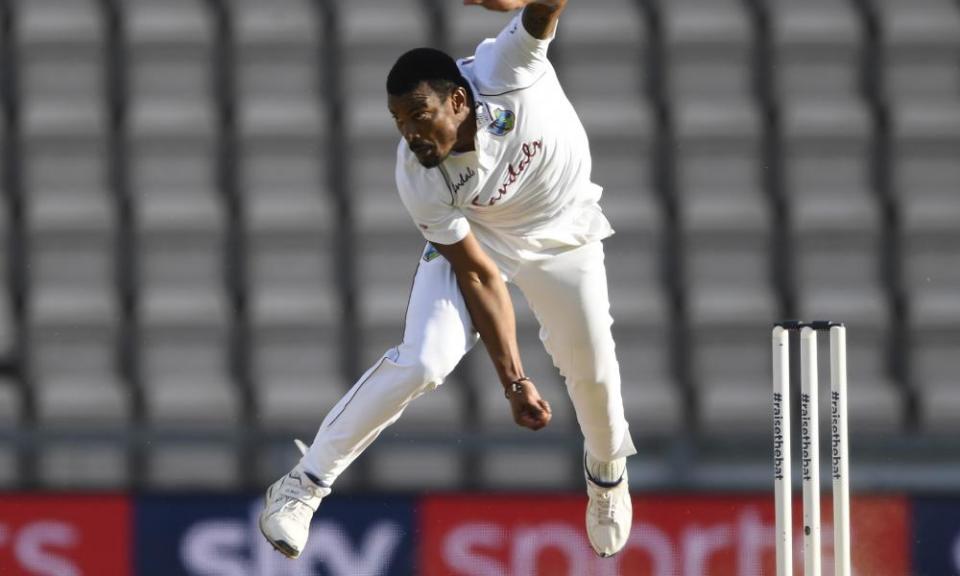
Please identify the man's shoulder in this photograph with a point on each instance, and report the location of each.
(483, 71)
(513, 60)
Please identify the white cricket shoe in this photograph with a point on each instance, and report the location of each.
(610, 511)
(289, 506)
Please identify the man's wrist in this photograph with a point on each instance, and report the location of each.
(515, 387)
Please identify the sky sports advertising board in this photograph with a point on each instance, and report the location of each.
(451, 535)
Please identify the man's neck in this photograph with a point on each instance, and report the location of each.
(467, 133)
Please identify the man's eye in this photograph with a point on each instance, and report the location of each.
(421, 116)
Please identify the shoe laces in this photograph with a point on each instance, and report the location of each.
(298, 489)
(605, 507)
(297, 510)
(297, 484)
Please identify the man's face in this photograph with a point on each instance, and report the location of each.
(429, 121)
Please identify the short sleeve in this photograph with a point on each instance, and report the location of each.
(515, 59)
(439, 222)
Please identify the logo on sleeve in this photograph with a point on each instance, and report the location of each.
(503, 122)
(431, 254)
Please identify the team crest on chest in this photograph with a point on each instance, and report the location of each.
(503, 122)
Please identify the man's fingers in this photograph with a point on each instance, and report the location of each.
(544, 410)
(535, 417)
(472, 2)
(534, 423)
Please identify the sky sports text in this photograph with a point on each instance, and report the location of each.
(736, 548)
(42, 535)
(42, 548)
(234, 547)
(231, 547)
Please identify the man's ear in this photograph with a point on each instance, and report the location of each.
(459, 99)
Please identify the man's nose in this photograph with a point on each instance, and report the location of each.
(408, 131)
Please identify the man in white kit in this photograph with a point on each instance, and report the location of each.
(494, 169)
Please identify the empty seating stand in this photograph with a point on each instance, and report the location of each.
(202, 189)
(11, 418)
(926, 141)
(372, 37)
(934, 363)
(288, 208)
(602, 50)
(818, 50)
(724, 221)
(732, 379)
(185, 314)
(399, 461)
(709, 50)
(12, 409)
(466, 28)
(920, 44)
(723, 213)
(8, 329)
(72, 306)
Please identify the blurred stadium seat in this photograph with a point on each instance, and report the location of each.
(602, 48)
(935, 379)
(69, 219)
(11, 417)
(818, 49)
(7, 320)
(709, 47)
(920, 44)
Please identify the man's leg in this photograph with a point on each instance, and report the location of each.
(437, 334)
(568, 294)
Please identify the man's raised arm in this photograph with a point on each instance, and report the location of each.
(539, 18)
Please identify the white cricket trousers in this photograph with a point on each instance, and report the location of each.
(568, 295)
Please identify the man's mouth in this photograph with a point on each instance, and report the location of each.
(421, 149)
(426, 154)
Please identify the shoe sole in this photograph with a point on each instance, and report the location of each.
(280, 546)
(605, 556)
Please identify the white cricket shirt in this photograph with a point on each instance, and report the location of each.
(525, 190)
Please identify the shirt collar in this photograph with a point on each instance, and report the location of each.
(484, 117)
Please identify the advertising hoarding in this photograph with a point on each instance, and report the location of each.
(43, 535)
(704, 536)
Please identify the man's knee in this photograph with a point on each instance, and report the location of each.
(598, 374)
(585, 361)
(424, 368)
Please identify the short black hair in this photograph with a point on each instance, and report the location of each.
(429, 65)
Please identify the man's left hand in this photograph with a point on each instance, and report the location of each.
(529, 409)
